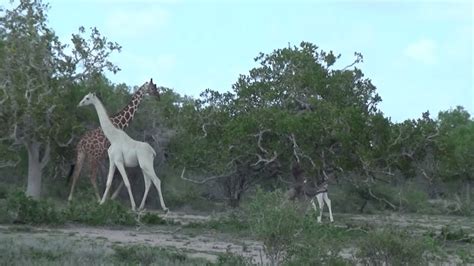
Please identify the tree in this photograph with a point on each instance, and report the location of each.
(293, 107)
(456, 146)
(37, 76)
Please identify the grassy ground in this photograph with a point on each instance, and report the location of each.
(266, 229)
(207, 241)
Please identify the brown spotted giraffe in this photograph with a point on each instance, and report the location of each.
(93, 144)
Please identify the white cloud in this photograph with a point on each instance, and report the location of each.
(423, 51)
(136, 22)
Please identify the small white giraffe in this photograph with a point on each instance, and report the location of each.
(125, 152)
(320, 192)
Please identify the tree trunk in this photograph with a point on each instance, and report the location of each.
(468, 191)
(33, 188)
(35, 167)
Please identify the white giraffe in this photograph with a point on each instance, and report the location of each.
(125, 152)
(320, 192)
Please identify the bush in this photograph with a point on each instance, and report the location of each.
(109, 213)
(389, 247)
(151, 218)
(229, 258)
(275, 221)
(24, 209)
(146, 255)
(290, 236)
(234, 222)
(448, 233)
(318, 244)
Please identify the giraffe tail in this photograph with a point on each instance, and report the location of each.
(71, 170)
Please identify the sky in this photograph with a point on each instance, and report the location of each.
(419, 54)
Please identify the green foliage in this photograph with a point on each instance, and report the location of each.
(235, 222)
(151, 218)
(146, 255)
(449, 233)
(317, 245)
(290, 236)
(293, 103)
(90, 212)
(39, 77)
(274, 221)
(390, 247)
(24, 209)
(229, 258)
(57, 249)
(456, 143)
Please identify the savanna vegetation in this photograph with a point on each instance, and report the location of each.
(230, 154)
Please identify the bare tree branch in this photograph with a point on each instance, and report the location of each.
(305, 105)
(295, 147)
(206, 179)
(46, 156)
(203, 127)
(265, 161)
(297, 151)
(69, 141)
(382, 200)
(4, 164)
(259, 141)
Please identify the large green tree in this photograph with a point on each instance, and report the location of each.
(456, 147)
(37, 76)
(294, 107)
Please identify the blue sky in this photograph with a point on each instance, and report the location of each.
(419, 54)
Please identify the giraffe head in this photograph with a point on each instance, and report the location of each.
(88, 99)
(150, 88)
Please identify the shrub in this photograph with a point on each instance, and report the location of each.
(448, 233)
(229, 258)
(389, 247)
(290, 236)
(317, 244)
(109, 213)
(275, 221)
(146, 255)
(151, 218)
(24, 209)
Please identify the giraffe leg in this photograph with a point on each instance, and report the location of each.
(146, 163)
(157, 183)
(321, 206)
(117, 191)
(93, 178)
(328, 202)
(77, 171)
(314, 205)
(121, 168)
(147, 188)
(110, 177)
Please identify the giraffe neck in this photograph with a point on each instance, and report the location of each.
(110, 131)
(122, 119)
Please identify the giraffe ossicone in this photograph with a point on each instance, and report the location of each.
(125, 152)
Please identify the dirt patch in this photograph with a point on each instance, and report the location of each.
(206, 245)
(415, 222)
